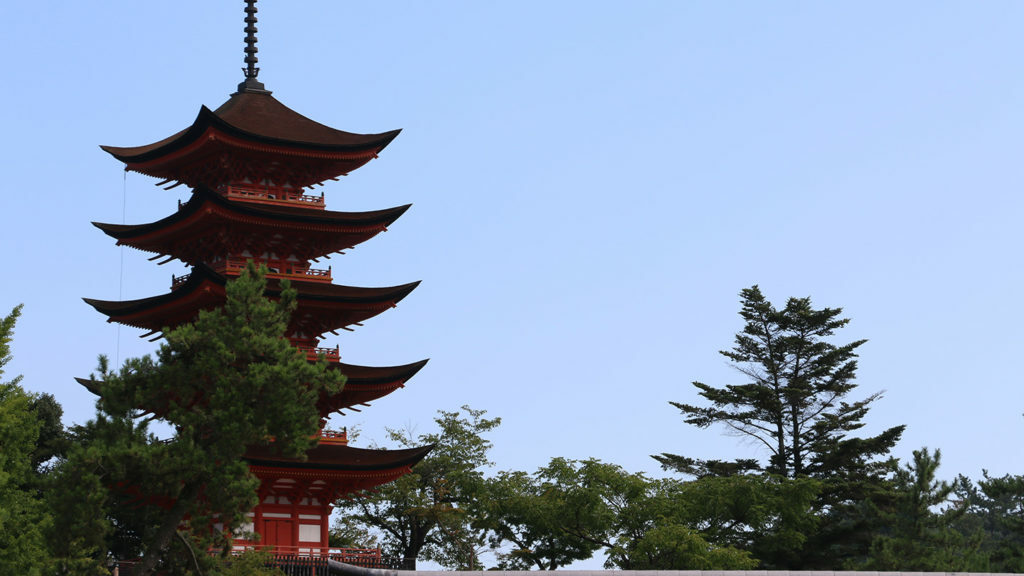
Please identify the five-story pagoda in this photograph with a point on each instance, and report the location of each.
(250, 164)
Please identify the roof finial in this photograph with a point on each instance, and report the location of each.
(251, 84)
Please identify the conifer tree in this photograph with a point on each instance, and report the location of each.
(795, 404)
(22, 515)
(919, 532)
(794, 400)
(227, 381)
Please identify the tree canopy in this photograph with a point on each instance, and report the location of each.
(824, 499)
(226, 381)
(424, 514)
(23, 517)
(794, 400)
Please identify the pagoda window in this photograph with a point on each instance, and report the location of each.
(277, 515)
(309, 533)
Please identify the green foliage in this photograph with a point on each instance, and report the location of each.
(999, 510)
(53, 439)
(23, 517)
(642, 524)
(769, 516)
(527, 513)
(352, 535)
(920, 535)
(794, 404)
(677, 547)
(424, 514)
(6, 335)
(227, 381)
(794, 401)
(251, 563)
(97, 491)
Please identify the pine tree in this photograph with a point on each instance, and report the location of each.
(794, 403)
(227, 381)
(23, 517)
(919, 532)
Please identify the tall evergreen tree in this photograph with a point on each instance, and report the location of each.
(919, 532)
(227, 381)
(23, 517)
(794, 402)
(996, 508)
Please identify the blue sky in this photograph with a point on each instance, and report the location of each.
(593, 184)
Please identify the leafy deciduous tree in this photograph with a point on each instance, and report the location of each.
(424, 514)
(641, 523)
(524, 518)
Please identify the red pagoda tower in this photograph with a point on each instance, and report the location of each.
(250, 164)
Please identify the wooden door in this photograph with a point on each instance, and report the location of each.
(278, 532)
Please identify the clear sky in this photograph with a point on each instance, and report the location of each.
(593, 184)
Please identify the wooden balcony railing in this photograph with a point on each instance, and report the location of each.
(234, 265)
(177, 281)
(332, 354)
(272, 195)
(306, 561)
(333, 437)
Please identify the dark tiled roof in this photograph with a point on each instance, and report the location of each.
(261, 118)
(191, 296)
(209, 222)
(282, 214)
(339, 457)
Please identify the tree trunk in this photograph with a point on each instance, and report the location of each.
(168, 527)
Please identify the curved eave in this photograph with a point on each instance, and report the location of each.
(207, 205)
(374, 375)
(90, 385)
(260, 119)
(338, 458)
(365, 384)
(322, 307)
(170, 309)
(310, 292)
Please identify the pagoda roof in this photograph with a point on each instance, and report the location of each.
(322, 307)
(328, 456)
(257, 126)
(363, 385)
(200, 228)
(331, 471)
(367, 383)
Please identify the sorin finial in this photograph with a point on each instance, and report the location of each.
(251, 84)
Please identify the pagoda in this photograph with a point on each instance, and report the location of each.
(250, 165)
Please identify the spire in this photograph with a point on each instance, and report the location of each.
(251, 84)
